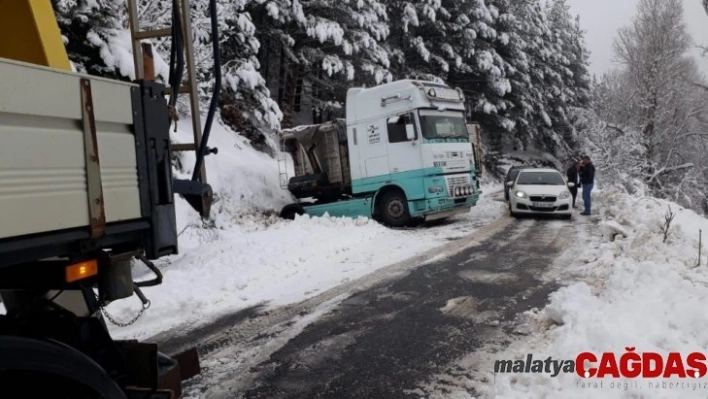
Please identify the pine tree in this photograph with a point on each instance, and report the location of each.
(321, 48)
(93, 35)
(412, 52)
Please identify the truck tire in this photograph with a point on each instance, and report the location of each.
(51, 369)
(392, 209)
(289, 211)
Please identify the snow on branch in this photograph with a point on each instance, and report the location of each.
(665, 170)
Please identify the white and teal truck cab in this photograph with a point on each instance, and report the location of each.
(403, 154)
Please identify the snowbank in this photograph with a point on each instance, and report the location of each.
(277, 262)
(246, 182)
(627, 288)
(253, 257)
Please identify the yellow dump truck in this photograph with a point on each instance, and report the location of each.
(86, 190)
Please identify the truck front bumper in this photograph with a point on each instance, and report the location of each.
(446, 213)
(440, 208)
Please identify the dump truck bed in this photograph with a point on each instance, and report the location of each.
(71, 171)
(43, 172)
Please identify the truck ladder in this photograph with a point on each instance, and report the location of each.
(283, 169)
(196, 191)
(142, 52)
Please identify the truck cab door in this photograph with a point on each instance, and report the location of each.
(403, 143)
(373, 153)
(405, 158)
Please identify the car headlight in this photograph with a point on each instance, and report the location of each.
(521, 194)
(564, 195)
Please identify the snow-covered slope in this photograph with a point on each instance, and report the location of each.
(626, 288)
(246, 181)
(252, 256)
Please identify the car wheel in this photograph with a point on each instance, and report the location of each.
(511, 212)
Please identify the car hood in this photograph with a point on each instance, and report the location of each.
(541, 189)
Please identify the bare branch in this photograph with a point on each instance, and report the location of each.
(700, 86)
(666, 227)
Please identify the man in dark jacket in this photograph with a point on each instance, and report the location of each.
(587, 179)
(574, 177)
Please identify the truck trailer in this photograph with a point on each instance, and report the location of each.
(404, 153)
(86, 194)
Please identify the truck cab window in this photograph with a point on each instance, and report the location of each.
(396, 127)
(443, 124)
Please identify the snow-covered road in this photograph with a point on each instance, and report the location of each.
(393, 329)
(269, 262)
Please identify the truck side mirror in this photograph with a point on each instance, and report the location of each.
(510, 184)
(410, 132)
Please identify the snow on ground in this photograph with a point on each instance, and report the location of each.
(626, 288)
(253, 257)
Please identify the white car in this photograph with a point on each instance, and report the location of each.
(540, 191)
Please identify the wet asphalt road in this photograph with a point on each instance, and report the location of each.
(385, 341)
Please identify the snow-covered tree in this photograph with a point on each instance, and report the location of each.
(319, 48)
(652, 51)
(656, 116)
(412, 52)
(521, 65)
(94, 38)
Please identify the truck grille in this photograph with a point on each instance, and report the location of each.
(457, 164)
(543, 198)
(454, 181)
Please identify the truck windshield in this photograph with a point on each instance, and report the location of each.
(540, 178)
(443, 124)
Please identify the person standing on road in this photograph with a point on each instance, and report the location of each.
(573, 177)
(587, 178)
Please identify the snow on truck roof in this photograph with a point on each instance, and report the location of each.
(400, 96)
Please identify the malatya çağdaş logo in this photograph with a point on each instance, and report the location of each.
(630, 364)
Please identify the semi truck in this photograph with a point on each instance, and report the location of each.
(403, 154)
(86, 194)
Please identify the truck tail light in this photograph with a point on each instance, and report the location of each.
(81, 270)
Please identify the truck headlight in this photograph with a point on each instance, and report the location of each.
(521, 194)
(564, 195)
(435, 189)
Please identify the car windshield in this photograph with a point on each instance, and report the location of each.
(512, 174)
(540, 178)
(443, 124)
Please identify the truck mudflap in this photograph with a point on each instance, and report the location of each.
(157, 374)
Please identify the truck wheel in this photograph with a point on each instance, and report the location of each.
(393, 209)
(52, 385)
(64, 371)
(289, 211)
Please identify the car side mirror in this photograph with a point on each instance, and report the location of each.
(410, 132)
(510, 184)
(571, 184)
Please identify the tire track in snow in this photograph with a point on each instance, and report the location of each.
(406, 322)
(240, 335)
(474, 370)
